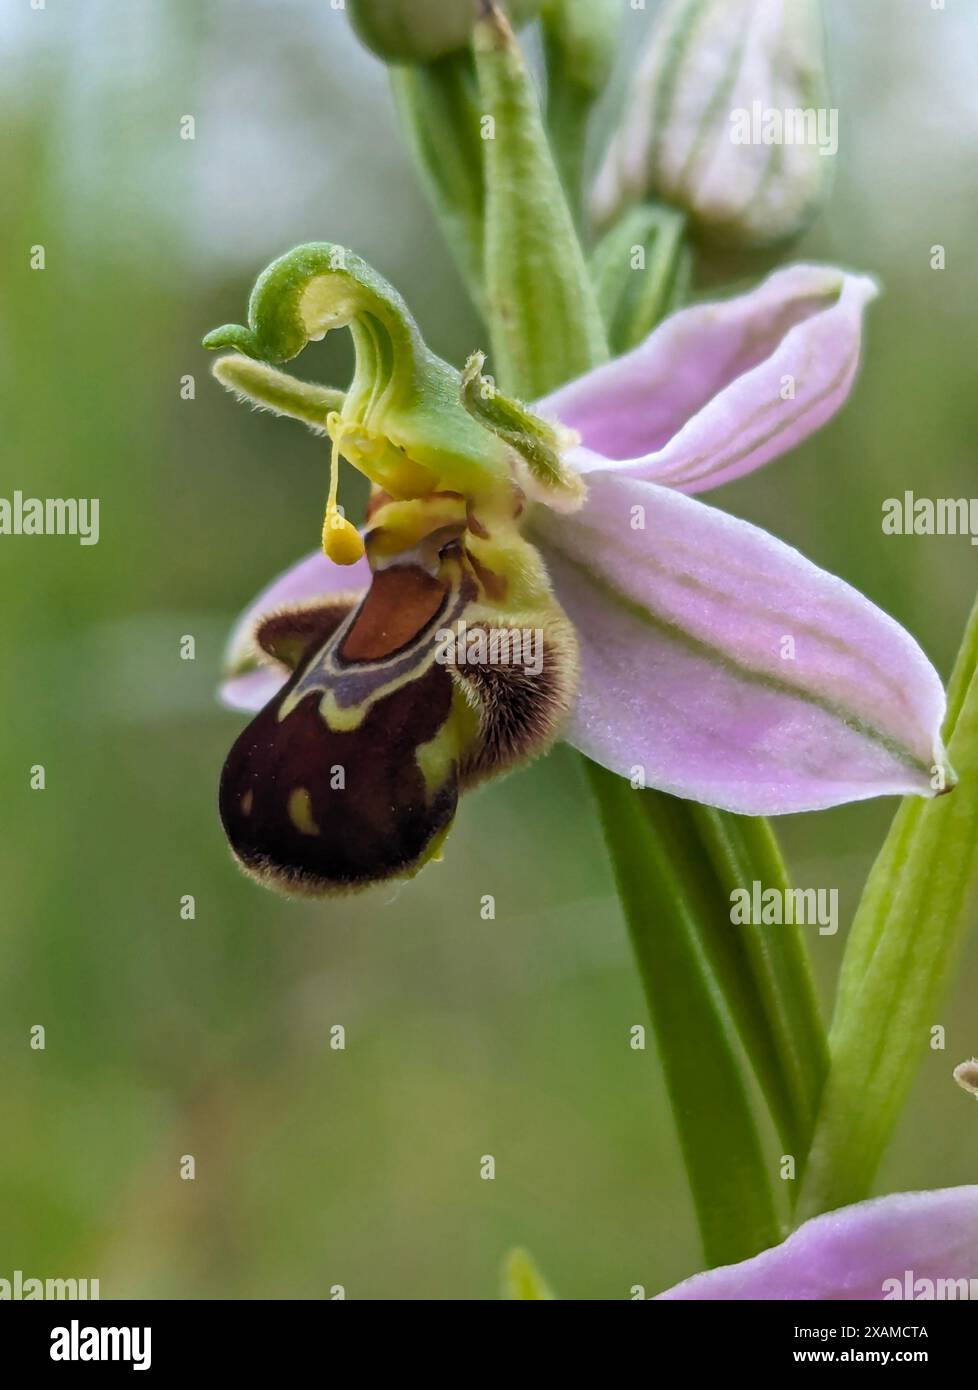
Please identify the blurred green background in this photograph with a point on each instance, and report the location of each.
(210, 1037)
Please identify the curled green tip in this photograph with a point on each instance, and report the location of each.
(231, 335)
(311, 290)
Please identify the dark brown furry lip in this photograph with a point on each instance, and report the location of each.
(351, 774)
(367, 812)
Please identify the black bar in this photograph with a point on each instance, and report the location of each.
(265, 1336)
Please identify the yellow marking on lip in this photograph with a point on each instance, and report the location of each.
(343, 719)
(299, 807)
(438, 758)
(247, 801)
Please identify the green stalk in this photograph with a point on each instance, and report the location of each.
(919, 901)
(658, 870)
(778, 1019)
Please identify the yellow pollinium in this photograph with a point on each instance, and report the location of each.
(342, 542)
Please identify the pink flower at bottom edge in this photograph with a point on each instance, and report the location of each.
(921, 1245)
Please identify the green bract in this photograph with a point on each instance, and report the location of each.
(650, 239)
(543, 317)
(539, 444)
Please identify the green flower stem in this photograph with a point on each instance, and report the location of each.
(543, 317)
(766, 973)
(919, 900)
(438, 107)
(659, 874)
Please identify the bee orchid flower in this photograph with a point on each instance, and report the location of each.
(679, 646)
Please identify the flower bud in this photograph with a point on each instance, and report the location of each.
(419, 31)
(583, 35)
(726, 120)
